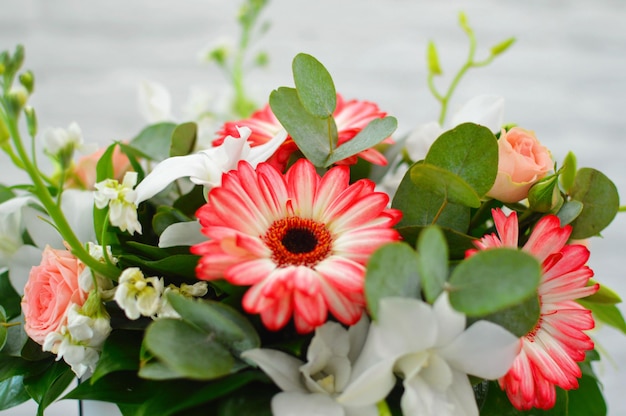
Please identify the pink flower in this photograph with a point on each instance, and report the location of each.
(300, 241)
(549, 352)
(522, 162)
(84, 173)
(51, 289)
(350, 116)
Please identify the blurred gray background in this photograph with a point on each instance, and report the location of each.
(565, 78)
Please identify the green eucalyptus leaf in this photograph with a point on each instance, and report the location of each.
(567, 173)
(600, 202)
(519, 319)
(446, 184)
(607, 313)
(183, 139)
(421, 207)
(224, 323)
(156, 370)
(314, 136)
(469, 151)
(392, 270)
(433, 262)
(154, 140)
(604, 295)
(458, 243)
(314, 85)
(569, 211)
(3, 329)
(376, 131)
(188, 350)
(119, 353)
(492, 280)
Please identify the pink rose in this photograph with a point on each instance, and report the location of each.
(51, 289)
(84, 174)
(522, 162)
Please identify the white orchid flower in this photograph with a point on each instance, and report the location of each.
(430, 348)
(312, 388)
(207, 166)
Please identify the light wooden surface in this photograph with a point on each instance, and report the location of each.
(565, 78)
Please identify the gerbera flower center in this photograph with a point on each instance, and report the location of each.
(296, 241)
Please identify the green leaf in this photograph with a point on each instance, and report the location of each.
(519, 319)
(444, 183)
(471, 152)
(433, 59)
(600, 202)
(248, 402)
(166, 216)
(314, 136)
(492, 280)
(376, 131)
(604, 295)
(392, 270)
(6, 193)
(120, 352)
(12, 392)
(569, 211)
(104, 167)
(9, 298)
(156, 370)
(545, 195)
(154, 140)
(224, 323)
(498, 404)
(609, 314)
(458, 243)
(49, 385)
(314, 85)
(3, 329)
(567, 173)
(181, 265)
(183, 139)
(587, 400)
(421, 207)
(433, 262)
(188, 350)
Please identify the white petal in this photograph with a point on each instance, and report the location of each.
(181, 234)
(39, 230)
(358, 334)
(485, 350)
(24, 259)
(486, 110)
(372, 385)
(263, 152)
(77, 206)
(461, 395)
(450, 323)
(282, 368)
(301, 404)
(421, 138)
(168, 171)
(361, 411)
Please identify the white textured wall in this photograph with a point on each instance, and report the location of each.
(565, 78)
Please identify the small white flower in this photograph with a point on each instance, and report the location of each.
(80, 340)
(207, 166)
(315, 387)
(432, 350)
(166, 310)
(138, 295)
(58, 139)
(122, 202)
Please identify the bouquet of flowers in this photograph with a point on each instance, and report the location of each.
(305, 262)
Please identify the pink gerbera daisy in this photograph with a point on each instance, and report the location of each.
(550, 351)
(350, 116)
(299, 240)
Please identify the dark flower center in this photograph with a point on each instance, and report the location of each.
(296, 241)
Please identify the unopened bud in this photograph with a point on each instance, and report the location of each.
(31, 120)
(433, 59)
(27, 79)
(17, 58)
(16, 100)
(545, 196)
(4, 133)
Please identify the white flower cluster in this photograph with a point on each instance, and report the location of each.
(80, 340)
(121, 200)
(140, 296)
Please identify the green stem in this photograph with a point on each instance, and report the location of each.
(54, 210)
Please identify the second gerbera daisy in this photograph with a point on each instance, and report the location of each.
(299, 240)
(550, 351)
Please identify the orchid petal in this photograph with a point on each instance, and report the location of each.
(486, 110)
(182, 234)
(301, 404)
(282, 368)
(155, 103)
(24, 259)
